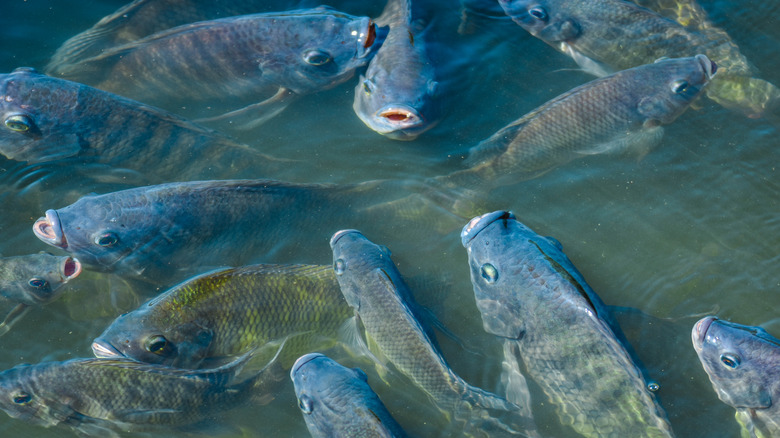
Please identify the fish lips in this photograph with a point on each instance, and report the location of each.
(103, 349)
(479, 223)
(709, 67)
(399, 122)
(699, 332)
(71, 268)
(49, 230)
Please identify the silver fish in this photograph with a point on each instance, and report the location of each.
(531, 295)
(337, 402)
(372, 285)
(396, 97)
(742, 364)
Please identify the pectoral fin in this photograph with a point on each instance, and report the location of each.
(13, 317)
(254, 115)
(639, 143)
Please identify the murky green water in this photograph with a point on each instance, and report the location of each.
(690, 229)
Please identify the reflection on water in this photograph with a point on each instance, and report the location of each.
(691, 228)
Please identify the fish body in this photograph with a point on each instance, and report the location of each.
(372, 285)
(243, 59)
(604, 36)
(742, 364)
(229, 312)
(531, 295)
(48, 119)
(100, 396)
(625, 110)
(396, 97)
(337, 401)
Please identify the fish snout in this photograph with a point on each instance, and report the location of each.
(699, 332)
(103, 349)
(49, 230)
(339, 234)
(710, 68)
(71, 268)
(303, 360)
(479, 223)
(401, 116)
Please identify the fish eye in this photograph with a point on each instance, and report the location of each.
(37, 283)
(106, 239)
(316, 57)
(730, 360)
(339, 266)
(156, 344)
(19, 123)
(367, 86)
(679, 86)
(22, 398)
(538, 12)
(489, 273)
(305, 404)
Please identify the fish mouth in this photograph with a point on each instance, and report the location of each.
(479, 223)
(104, 350)
(366, 38)
(339, 235)
(71, 268)
(710, 68)
(49, 230)
(301, 361)
(401, 116)
(699, 332)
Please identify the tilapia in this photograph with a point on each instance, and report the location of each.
(100, 397)
(48, 119)
(397, 95)
(32, 280)
(372, 285)
(531, 295)
(262, 61)
(626, 110)
(604, 36)
(338, 402)
(742, 363)
(169, 230)
(229, 312)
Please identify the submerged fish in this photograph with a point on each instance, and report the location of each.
(625, 110)
(337, 402)
(231, 311)
(48, 119)
(270, 57)
(372, 285)
(604, 36)
(531, 295)
(396, 97)
(742, 363)
(99, 397)
(31, 280)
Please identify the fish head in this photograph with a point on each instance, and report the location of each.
(20, 399)
(741, 362)
(36, 278)
(495, 265)
(548, 20)
(39, 121)
(141, 336)
(669, 86)
(354, 256)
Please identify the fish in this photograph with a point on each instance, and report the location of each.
(262, 61)
(531, 296)
(163, 232)
(623, 111)
(141, 18)
(605, 36)
(231, 311)
(33, 280)
(397, 95)
(372, 285)
(337, 401)
(101, 397)
(47, 119)
(741, 362)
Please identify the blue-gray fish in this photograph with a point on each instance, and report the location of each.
(396, 97)
(604, 36)
(47, 119)
(372, 285)
(99, 397)
(625, 110)
(258, 60)
(337, 401)
(531, 295)
(32, 280)
(742, 363)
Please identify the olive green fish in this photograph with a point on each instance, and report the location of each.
(604, 36)
(531, 295)
(229, 312)
(373, 286)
